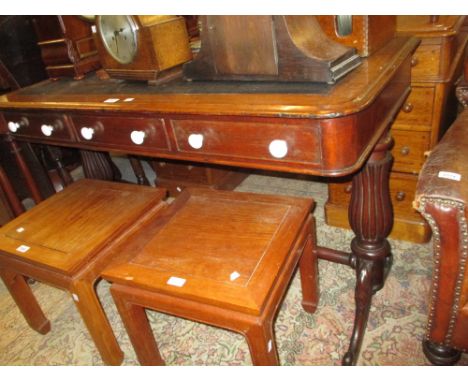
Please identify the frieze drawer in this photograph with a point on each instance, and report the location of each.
(122, 132)
(48, 126)
(260, 142)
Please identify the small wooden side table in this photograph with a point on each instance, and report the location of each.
(64, 242)
(221, 258)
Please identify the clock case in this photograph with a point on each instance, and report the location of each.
(366, 33)
(268, 48)
(162, 47)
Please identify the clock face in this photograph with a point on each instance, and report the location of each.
(119, 34)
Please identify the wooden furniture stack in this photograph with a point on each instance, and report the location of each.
(233, 272)
(442, 199)
(290, 127)
(426, 114)
(64, 242)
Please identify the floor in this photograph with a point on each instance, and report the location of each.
(395, 329)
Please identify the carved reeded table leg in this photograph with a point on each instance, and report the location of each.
(371, 218)
(99, 165)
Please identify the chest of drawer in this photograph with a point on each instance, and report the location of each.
(48, 126)
(130, 133)
(260, 142)
(402, 190)
(408, 150)
(417, 110)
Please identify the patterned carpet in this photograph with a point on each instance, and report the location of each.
(395, 329)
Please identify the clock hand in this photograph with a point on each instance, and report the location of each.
(116, 35)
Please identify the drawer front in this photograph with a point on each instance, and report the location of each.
(402, 190)
(408, 151)
(122, 132)
(41, 125)
(417, 110)
(425, 63)
(271, 142)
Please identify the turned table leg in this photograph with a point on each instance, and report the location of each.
(28, 177)
(371, 218)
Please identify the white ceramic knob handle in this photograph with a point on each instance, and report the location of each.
(13, 126)
(138, 137)
(195, 141)
(278, 148)
(87, 133)
(47, 130)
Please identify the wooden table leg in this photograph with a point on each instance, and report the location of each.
(87, 302)
(138, 170)
(139, 330)
(261, 340)
(30, 182)
(10, 193)
(371, 219)
(25, 300)
(99, 165)
(308, 267)
(64, 175)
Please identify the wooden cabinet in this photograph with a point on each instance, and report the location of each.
(422, 120)
(67, 45)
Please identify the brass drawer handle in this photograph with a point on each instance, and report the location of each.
(408, 108)
(400, 196)
(405, 150)
(414, 61)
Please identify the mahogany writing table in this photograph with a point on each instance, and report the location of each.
(315, 129)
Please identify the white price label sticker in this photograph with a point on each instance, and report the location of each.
(176, 281)
(23, 248)
(111, 100)
(449, 175)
